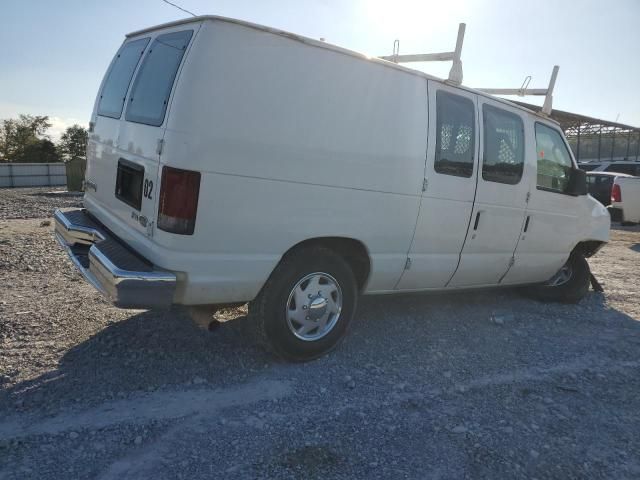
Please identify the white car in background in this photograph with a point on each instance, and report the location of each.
(625, 199)
(229, 162)
(627, 167)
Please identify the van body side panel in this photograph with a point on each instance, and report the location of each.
(293, 142)
(243, 260)
(272, 107)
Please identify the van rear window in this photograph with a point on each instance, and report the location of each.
(118, 79)
(151, 88)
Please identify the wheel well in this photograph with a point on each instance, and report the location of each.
(352, 251)
(588, 248)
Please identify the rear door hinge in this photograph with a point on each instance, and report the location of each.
(160, 146)
(425, 184)
(407, 264)
(528, 197)
(512, 260)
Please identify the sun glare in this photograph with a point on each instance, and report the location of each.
(411, 18)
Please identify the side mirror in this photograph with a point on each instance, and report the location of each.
(577, 183)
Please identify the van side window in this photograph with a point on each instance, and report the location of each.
(118, 79)
(554, 161)
(503, 159)
(455, 135)
(151, 88)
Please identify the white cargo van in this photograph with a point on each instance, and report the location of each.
(230, 163)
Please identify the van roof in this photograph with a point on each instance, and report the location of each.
(329, 46)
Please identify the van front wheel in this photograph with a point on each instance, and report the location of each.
(569, 285)
(305, 307)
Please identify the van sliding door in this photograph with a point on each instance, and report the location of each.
(449, 189)
(501, 196)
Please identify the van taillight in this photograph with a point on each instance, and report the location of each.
(616, 194)
(179, 190)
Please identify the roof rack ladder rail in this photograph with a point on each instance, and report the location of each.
(523, 91)
(455, 74)
(548, 100)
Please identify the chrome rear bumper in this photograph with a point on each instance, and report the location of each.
(124, 277)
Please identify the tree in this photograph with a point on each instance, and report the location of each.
(73, 143)
(42, 151)
(25, 140)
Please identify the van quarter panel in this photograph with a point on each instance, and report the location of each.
(297, 143)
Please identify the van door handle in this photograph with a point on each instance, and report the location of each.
(526, 223)
(475, 225)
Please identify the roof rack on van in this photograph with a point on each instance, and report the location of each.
(523, 90)
(455, 74)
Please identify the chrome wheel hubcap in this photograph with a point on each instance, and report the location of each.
(562, 277)
(314, 306)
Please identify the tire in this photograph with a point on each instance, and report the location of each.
(276, 313)
(567, 290)
(615, 213)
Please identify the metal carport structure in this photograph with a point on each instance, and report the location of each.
(596, 139)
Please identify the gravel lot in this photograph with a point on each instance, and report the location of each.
(35, 202)
(467, 385)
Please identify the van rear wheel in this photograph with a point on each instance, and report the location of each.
(569, 285)
(305, 307)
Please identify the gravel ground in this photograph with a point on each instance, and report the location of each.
(466, 385)
(35, 202)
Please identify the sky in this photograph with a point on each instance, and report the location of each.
(53, 54)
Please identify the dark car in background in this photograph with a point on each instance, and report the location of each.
(600, 183)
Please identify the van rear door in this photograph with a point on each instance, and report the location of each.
(102, 145)
(125, 147)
